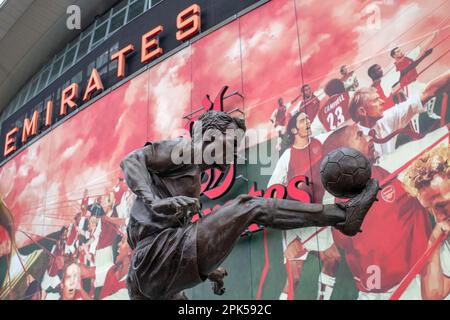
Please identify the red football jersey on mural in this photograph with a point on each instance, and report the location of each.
(335, 111)
(395, 235)
(411, 76)
(119, 191)
(306, 162)
(112, 284)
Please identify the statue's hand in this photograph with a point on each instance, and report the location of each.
(356, 209)
(216, 277)
(176, 204)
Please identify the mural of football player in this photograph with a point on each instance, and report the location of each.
(115, 280)
(334, 112)
(309, 104)
(366, 109)
(84, 201)
(383, 86)
(428, 178)
(57, 259)
(303, 159)
(407, 65)
(120, 192)
(96, 255)
(406, 74)
(395, 232)
(349, 78)
(278, 118)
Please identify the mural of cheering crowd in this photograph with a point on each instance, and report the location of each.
(315, 76)
(85, 260)
(401, 124)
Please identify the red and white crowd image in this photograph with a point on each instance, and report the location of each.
(317, 75)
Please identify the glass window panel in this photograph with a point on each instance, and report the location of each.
(68, 60)
(103, 18)
(84, 47)
(103, 71)
(122, 4)
(99, 33)
(33, 88)
(114, 48)
(27, 97)
(43, 79)
(102, 59)
(22, 96)
(154, 2)
(117, 21)
(55, 70)
(136, 9)
(113, 65)
(89, 68)
(60, 89)
(77, 78)
(40, 107)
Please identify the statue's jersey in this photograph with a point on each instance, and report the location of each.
(164, 252)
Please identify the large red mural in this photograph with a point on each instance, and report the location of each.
(292, 69)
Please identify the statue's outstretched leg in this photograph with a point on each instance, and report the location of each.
(218, 232)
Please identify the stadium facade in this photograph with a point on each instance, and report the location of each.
(145, 70)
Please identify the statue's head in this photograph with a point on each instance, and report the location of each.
(218, 135)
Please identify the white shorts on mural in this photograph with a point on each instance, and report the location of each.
(103, 261)
(411, 293)
(320, 242)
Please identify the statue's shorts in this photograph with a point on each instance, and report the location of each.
(164, 264)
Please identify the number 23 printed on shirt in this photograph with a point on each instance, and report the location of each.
(336, 118)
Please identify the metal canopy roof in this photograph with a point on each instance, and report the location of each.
(31, 32)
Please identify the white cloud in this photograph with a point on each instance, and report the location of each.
(7, 178)
(137, 90)
(70, 151)
(171, 97)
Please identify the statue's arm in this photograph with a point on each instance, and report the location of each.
(135, 167)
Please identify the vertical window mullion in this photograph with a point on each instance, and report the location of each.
(92, 37)
(109, 24)
(125, 20)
